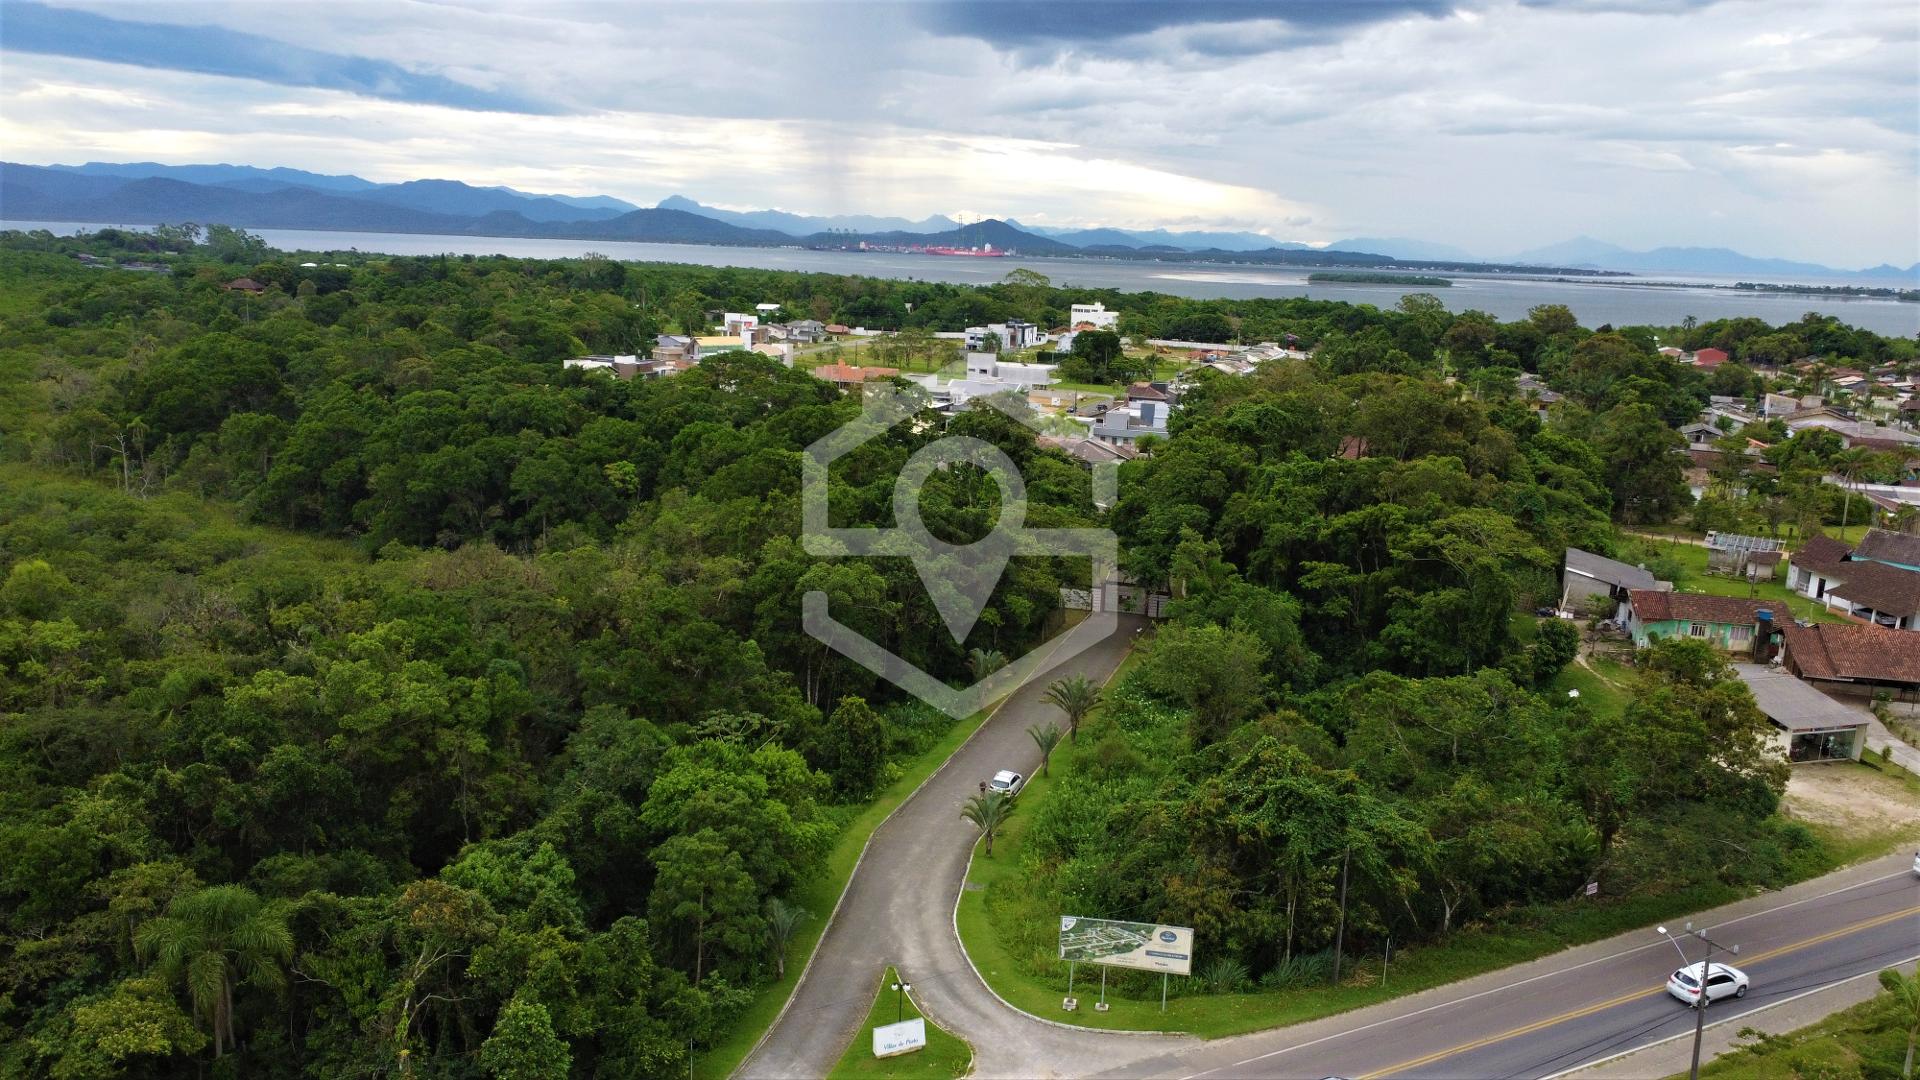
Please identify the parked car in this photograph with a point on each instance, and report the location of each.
(1722, 982)
(1007, 782)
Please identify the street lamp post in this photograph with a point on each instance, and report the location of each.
(900, 992)
(1703, 999)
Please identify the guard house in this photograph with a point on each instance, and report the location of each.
(1810, 726)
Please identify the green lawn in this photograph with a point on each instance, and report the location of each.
(819, 898)
(945, 1056)
(1604, 684)
(1694, 578)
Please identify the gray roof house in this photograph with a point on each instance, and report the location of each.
(1585, 574)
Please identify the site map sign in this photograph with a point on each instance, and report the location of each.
(1146, 946)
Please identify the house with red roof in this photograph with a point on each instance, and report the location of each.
(1728, 623)
(1710, 357)
(1854, 659)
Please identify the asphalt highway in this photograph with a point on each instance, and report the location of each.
(1545, 1019)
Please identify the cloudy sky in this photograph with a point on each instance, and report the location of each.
(1776, 127)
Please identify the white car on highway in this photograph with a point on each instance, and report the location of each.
(1916, 863)
(1722, 982)
(1006, 782)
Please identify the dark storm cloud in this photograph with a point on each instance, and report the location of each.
(1002, 23)
(213, 50)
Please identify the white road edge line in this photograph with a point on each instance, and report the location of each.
(961, 895)
(1597, 1062)
(1556, 973)
(738, 1070)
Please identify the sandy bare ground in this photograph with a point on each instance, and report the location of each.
(1852, 798)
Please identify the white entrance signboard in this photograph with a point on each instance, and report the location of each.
(1146, 946)
(904, 1037)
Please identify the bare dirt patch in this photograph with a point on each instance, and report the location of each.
(1853, 799)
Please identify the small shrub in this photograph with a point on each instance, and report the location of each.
(1224, 975)
(1300, 969)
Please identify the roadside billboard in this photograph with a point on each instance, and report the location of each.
(1146, 946)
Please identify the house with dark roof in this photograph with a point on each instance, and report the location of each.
(1853, 658)
(1584, 574)
(1894, 549)
(1728, 623)
(245, 285)
(1872, 583)
(1811, 568)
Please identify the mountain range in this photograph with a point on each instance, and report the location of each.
(249, 197)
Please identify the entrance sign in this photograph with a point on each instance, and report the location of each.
(1145, 946)
(892, 1040)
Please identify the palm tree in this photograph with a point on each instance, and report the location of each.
(1850, 464)
(985, 662)
(1046, 738)
(1906, 996)
(782, 919)
(988, 811)
(213, 939)
(1077, 698)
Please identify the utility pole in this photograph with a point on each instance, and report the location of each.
(1700, 1005)
(1340, 932)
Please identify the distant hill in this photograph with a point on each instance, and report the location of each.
(220, 174)
(1161, 238)
(805, 224)
(454, 197)
(32, 193)
(1586, 251)
(1002, 236)
(1402, 248)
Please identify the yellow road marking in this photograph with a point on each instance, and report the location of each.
(1588, 1010)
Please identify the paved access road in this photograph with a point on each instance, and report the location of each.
(1558, 1013)
(898, 909)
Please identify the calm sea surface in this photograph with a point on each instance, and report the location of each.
(1621, 302)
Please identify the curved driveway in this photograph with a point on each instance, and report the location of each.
(898, 909)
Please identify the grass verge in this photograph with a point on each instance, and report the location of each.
(819, 898)
(945, 1056)
(1865, 1040)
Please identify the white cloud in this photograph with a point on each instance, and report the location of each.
(1497, 127)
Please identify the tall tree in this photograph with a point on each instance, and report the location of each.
(216, 939)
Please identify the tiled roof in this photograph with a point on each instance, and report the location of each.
(1856, 651)
(1652, 606)
(1886, 589)
(842, 373)
(1890, 546)
(1820, 553)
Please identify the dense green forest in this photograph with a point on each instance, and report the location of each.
(379, 698)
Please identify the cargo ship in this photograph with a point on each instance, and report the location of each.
(975, 253)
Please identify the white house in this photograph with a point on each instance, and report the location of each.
(1095, 315)
(1127, 423)
(1014, 334)
(986, 374)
